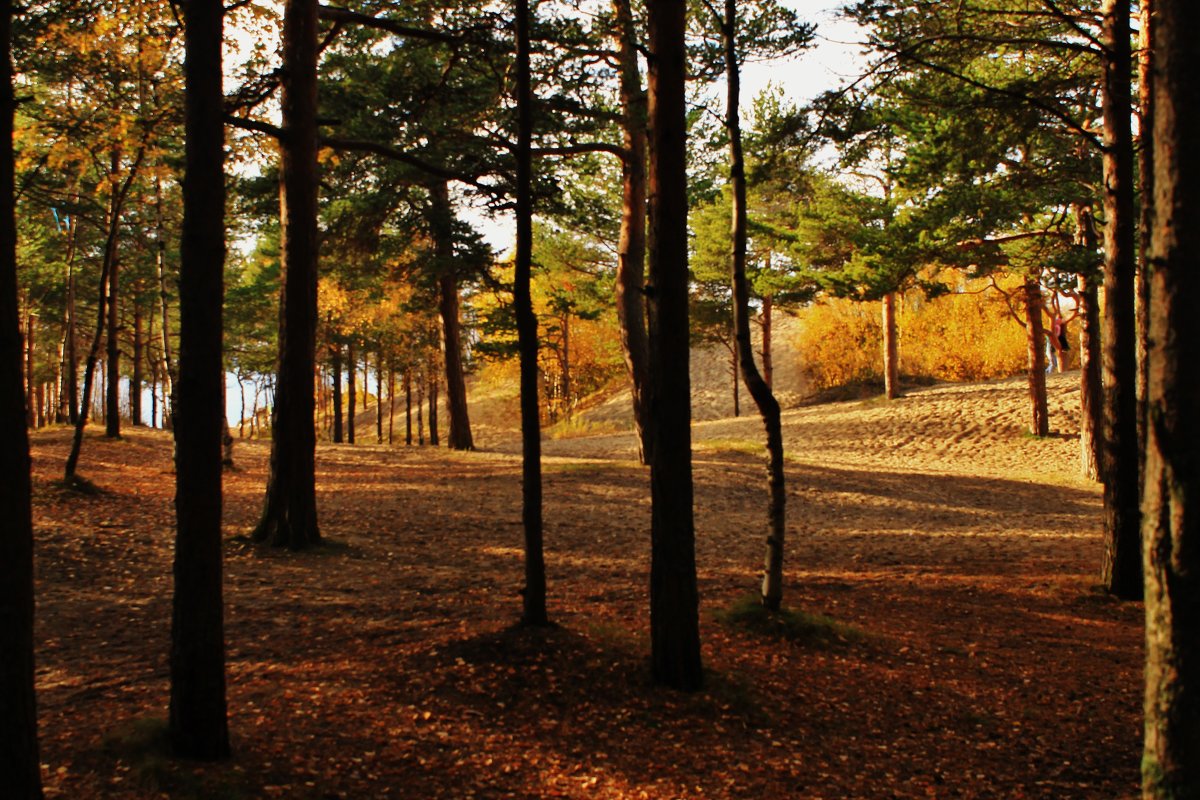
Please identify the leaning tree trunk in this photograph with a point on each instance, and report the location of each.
(19, 763)
(89, 370)
(534, 591)
(1121, 568)
(197, 717)
(459, 437)
(891, 349)
(1035, 345)
(674, 598)
(768, 406)
(290, 509)
(631, 248)
(1171, 527)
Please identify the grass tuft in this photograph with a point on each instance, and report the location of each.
(748, 613)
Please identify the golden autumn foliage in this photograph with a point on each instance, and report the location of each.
(969, 334)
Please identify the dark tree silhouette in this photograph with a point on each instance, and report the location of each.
(1171, 760)
(197, 719)
(290, 509)
(534, 592)
(1121, 570)
(20, 769)
(674, 598)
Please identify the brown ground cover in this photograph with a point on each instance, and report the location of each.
(977, 657)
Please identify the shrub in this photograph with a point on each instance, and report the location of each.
(965, 335)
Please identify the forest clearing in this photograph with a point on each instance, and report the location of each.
(920, 521)
(974, 653)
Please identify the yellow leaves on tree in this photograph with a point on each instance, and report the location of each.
(965, 335)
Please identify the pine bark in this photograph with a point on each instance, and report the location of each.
(1171, 525)
(197, 717)
(160, 251)
(1121, 571)
(379, 397)
(674, 597)
(112, 358)
(70, 394)
(1035, 345)
(768, 360)
(631, 247)
(290, 509)
(30, 381)
(534, 592)
(335, 350)
(137, 378)
(89, 370)
(1091, 389)
(351, 390)
(459, 437)
(19, 763)
(891, 349)
(760, 392)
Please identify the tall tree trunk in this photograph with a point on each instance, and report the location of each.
(30, 382)
(1121, 568)
(135, 382)
(408, 426)
(290, 510)
(768, 360)
(420, 381)
(70, 394)
(534, 591)
(351, 390)
(335, 350)
(89, 370)
(631, 248)
(19, 763)
(735, 369)
(160, 259)
(768, 406)
(1091, 389)
(1145, 190)
(197, 718)
(674, 598)
(891, 349)
(565, 372)
(433, 405)
(442, 230)
(391, 401)
(379, 397)
(112, 366)
(1171, 526)
(1035, 342)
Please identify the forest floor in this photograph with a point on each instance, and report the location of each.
(971, 653)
